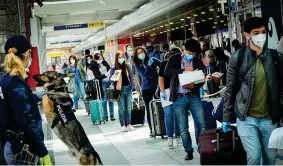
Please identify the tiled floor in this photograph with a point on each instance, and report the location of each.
(119, 148)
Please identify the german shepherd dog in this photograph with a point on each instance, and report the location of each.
(57, 106)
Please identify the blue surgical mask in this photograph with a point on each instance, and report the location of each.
(121, 60)
(130, 52)
(189, 57)
(29, 63)
(141, 56)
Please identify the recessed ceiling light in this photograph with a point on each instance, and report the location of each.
(211, 10)
(187, 25)
(173, 29)
(215, 22)
(146, 31)
(165, 31)
(153, 29)
(222, 21)
(192, 23)
(202, 13)
(171, 23)
(214, 27)
(217, 16)
(177, 27)
(168, 30)
(195, 15)
(210, 18)
(190, 29)
(161, 26)
(161, 32)
(182, 26)
(166, 24)
(188, 17)
(203, 20)
(197, 22)
(182, 19)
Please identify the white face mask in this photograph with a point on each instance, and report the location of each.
(259, 40)
(99, 61)
(72, 61)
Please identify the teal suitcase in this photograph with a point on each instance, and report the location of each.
(98, 107)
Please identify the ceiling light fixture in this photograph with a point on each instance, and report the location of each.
(182, 26)
(168, 30)
(182, 19)
(188, 17)
(161, 26)
(210, 18)
(153, 29)
(187, 25)
(222, 21)
(171, 23)
(215, 23)
(211, 10)
(203, 20)
(217, 16)
(197, 22)
(202, 13)
(192, 23)
(214, 27)
(195, 15)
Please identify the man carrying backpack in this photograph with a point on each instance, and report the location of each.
(253, 93)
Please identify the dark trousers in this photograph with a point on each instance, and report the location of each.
(147, 96)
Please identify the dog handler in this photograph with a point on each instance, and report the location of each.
(18, 105)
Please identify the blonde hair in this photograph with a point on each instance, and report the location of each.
(14, 64)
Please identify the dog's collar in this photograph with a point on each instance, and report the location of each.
(62, 116)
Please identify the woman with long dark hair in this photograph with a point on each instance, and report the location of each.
(146, 67)
(76, 71)
(126, 86)
(104, 68)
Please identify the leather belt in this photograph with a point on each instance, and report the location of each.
(189, 94)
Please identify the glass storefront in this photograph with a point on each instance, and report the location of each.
(240, 11)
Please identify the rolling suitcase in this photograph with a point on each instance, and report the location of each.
(218, 148)
(157, 118)
(138, 111)
(208, 109)
(98, 107)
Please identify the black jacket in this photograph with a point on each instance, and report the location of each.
(240, 82)
(173, 69)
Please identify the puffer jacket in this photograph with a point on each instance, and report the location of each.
(240, 83)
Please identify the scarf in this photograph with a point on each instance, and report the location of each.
(119, 82)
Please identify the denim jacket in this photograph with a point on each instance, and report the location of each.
(19, 112)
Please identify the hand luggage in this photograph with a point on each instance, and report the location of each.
(112, 94)
(98, 107)
(212, 86)
(218, 148)
(157, 118)
(207, 109)
(138, 111)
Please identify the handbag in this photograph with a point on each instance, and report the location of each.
(90, 86)
(72, 84)
(112, 95)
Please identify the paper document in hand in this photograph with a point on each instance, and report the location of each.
(276, 139)
(191, 77)
(116, 75)
(166, 103)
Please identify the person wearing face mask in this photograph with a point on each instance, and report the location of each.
(18, 105)
(169, 118)
(186, 97)
(129, 55)
(76, 71)
(146, 67)
(104, 68)
(126, 86)
(253, 92)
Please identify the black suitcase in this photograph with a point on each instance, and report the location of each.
(138, 112)
(218, 148)
(212, 86)
(157, 118)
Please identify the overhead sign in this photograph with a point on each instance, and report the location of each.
(55, 54)
(78, 26)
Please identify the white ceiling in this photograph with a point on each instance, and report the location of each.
(56, 12)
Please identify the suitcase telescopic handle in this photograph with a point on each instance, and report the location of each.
(219, 130)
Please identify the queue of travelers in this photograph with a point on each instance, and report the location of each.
(252, 95)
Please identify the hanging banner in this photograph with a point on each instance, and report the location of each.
(55, 54)
(78, 26)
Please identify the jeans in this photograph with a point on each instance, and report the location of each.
(106, 85)
(125, 105)
(171, 122)
(181, 107)
(79, 86)
(254, 134)
(147, 96)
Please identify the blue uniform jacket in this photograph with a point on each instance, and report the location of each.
(19, 112)
(148, 74)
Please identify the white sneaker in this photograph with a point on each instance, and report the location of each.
(130, 128)
(178, 141)
(170, 143)
(124, 129)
